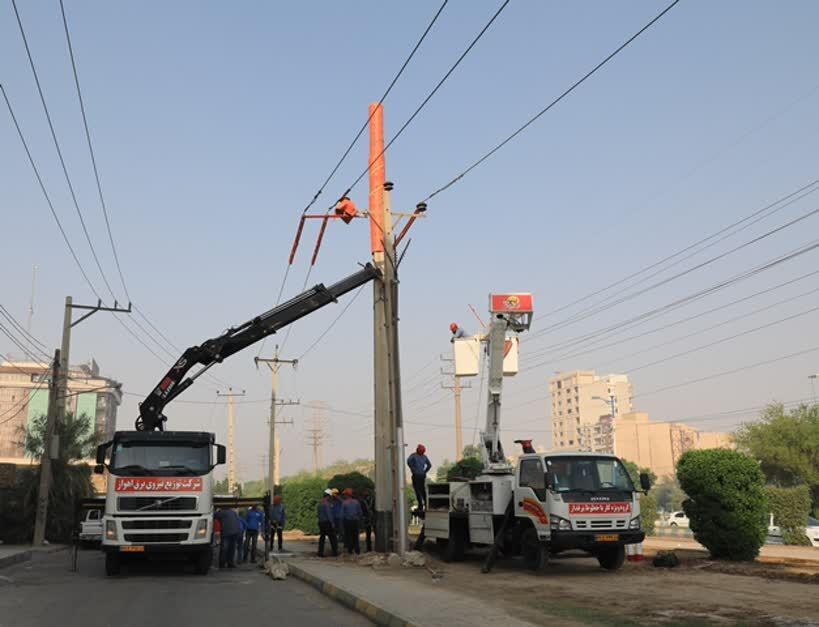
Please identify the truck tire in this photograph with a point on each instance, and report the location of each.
(111, 564)
(203, 561)
(535, 552)
(455, 548)
(612, 558)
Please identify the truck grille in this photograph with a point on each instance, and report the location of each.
(157, 524)
(155, 537)
(600, 524)
(155, 504)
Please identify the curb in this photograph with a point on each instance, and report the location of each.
(377, 614)
(27, 554)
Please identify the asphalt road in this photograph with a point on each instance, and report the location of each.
(45, 592)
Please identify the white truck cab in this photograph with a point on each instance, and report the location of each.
(160, 495)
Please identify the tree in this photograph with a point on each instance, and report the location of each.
(301, 497)
(648, 502)
(470, 450)
(726, 502)
(790, 508)
(669, 494)
(353, 480)
(786, 445)
(634, 472)
(70, 479)
(467, 468)
(443, 469)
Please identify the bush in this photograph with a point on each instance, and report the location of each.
(467, 468)
(301, 497)
(790, 507)
(726, 502)
(648, 513)
(353, 480)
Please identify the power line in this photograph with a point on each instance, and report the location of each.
(332, 324)
(91, 151)
(788, 199)
(60, 152)
(20, 329)
(430, 95)
(554, 102)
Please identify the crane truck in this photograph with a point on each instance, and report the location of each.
(547, 502)
(159, 498)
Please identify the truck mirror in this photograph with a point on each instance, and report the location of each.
(645, 482)
(221, 454)
(101, 454)
(99, 469)
(550, 480)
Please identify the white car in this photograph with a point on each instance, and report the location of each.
(91, 527)
(812, 531)
(678, 519)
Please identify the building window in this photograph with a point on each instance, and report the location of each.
(559, 384)
(571, 442)
(569, 410)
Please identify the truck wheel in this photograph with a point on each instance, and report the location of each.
(203, 561)
(535, 552)
(111, 564)
(612, 558)
(456, 545)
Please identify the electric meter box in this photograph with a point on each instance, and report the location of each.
(467, 354)
(510, 356)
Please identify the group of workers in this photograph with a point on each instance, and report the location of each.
(239, 533)
(342, 517)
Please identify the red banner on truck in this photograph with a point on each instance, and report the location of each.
(158, 484)
(598, 509)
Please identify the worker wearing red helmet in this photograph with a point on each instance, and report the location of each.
(419, 466)
(352, 516)
(457, 332)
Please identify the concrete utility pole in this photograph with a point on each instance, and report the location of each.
(315, 437)
(456, 388)
(45, 462)
(273, 439)
(231, 429)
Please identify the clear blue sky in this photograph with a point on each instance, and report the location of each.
(215, 123)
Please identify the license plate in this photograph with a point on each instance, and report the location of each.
(132, 549)
(606, 537)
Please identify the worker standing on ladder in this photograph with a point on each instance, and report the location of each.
(419, 466)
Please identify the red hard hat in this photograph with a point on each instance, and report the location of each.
(277, 499)
(453, 327)
(347, 492)
(420, 449)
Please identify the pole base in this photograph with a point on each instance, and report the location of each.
(383, 532)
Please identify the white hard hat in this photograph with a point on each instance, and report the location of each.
(328, 492)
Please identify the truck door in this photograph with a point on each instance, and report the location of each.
(530, 493)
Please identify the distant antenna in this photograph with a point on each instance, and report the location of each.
(31, 300)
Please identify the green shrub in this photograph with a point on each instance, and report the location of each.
(648, 513)
(726, 502)
(301, 497)
(353, 480)
(467, 468)
(790, 507)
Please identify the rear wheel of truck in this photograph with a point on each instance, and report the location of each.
(612, 558)
(456, 544)
(111, 564)
(203, 561)
(535, 552)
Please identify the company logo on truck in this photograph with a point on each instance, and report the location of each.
(159, 484)
(598, 509)
(533, 508)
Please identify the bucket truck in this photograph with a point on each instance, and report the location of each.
(546, 502)
(159, 498)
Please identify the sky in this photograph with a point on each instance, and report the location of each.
(215, 123)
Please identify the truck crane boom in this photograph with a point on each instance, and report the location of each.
(235, 339)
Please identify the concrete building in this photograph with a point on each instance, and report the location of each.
(578, 401)
(24, 396)
(658, 445)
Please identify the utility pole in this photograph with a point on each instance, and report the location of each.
(31, 300)
(456, 388)
(315, 437)
(45, 461)
(231, 429)
(273, 439)
(68, 324)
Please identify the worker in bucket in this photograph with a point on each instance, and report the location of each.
(352, 515)
(457, 332)
(419, 466)
(327, 528)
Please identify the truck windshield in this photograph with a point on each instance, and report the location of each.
(138, 459)
(588, 474)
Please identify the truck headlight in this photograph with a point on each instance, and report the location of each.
(635, 523)
(201, 528)
(557, 523)
(110, 530)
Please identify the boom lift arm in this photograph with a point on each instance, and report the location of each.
(235, 339)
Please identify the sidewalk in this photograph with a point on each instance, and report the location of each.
(385, 601)
(773, 553)
(15, 553)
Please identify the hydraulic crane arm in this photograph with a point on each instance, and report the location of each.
(217, 349)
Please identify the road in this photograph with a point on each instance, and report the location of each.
(46, 592)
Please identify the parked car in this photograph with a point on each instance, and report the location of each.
(678, 519)
(91, 527)
(811, 531)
